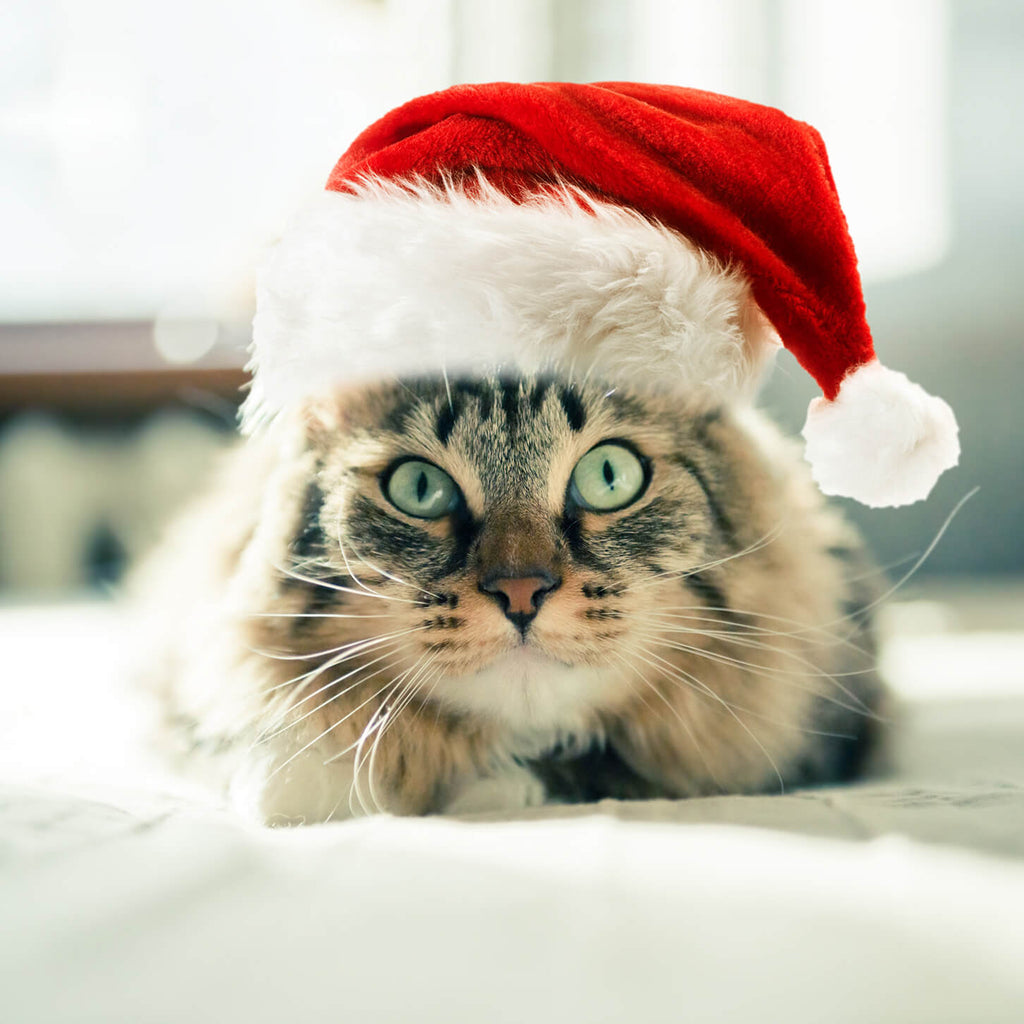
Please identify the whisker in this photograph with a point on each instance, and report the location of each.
(822, 629)
(316, 615)
(311, 673)
(857, 705)
(326, 732)
(780, 674)
(401, 703)
(752, 643)
(691, 570)
(802, 630)
(265, 735)
(391, 576)
(374, 721)
(361, 590)
(352, 711)
(345, 648)
(675, 711)
(780, 722)
(881, 570)
(917, 565)
(685, 677)
(447, 388)
(377, 719)
(382, 572)
(392, 705)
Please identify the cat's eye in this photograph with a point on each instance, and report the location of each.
(420, 489)
(607, 478)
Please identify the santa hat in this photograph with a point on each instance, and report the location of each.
(661, 235)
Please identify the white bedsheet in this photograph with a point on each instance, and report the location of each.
(124, 898)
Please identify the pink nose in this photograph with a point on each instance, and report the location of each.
(520, 596)
(521, 592)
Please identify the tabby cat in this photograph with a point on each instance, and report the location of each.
(490, 593)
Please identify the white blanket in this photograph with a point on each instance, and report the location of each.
(123, 898)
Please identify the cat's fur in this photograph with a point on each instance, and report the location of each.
(330, 655)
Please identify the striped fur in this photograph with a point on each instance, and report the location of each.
(344, 657)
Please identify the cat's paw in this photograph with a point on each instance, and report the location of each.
(512, 790)
(302, 791)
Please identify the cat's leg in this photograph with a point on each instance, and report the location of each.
(307, 790)
(294, 789)
(421, 766)
(511, 789)
(420, 763)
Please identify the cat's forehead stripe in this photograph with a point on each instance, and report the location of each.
(310, 540)
(514, 396)
(447, 417)
(478, 390)
(572, 404)
(510, 403)
(540, 389)
(722, 521)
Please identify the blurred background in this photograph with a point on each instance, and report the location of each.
(150, 152)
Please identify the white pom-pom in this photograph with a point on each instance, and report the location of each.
(883, 440)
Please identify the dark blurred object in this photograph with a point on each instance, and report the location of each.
(78, 503)
(102, 439)
(111, 369)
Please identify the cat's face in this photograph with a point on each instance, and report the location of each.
(507, 542)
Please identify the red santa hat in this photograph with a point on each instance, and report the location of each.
(661, 235)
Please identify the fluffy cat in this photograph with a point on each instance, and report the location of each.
(451, 596)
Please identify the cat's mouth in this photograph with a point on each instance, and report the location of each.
(528, 658)
(525, 687)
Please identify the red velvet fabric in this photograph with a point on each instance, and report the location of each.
(741, 180)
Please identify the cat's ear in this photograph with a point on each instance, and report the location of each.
(321, 419)
(325, 416)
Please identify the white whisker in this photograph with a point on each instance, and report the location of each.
(316, 615)
(775, 721)
(751, 642)
(692, 570)
(337, 587)
(293, 706)
(685, 677)
(322, 735)
(345, 648)
(382, 572)
(917, 565)
(401, 703)
(782, 675)
(687, 728)
(802, 628)
(447, 388)
(391, 576)
(312, 673)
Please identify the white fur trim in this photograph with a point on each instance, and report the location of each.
(405, 279)
(884, 440)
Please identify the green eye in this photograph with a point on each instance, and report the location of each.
(421, 489)
(607, 478)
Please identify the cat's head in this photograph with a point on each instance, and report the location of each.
(503, 545)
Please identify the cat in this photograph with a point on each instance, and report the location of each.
(490, 593)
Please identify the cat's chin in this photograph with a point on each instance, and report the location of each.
(526, 689)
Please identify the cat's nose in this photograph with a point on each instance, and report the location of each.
(520, 596)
